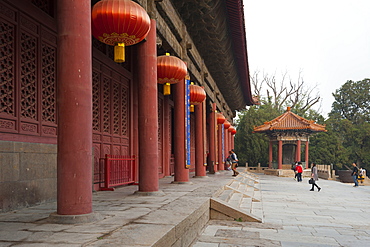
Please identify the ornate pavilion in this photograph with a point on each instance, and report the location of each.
(289, 132)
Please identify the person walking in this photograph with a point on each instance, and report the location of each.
(234, 162)
(228, 163)
(355, 174)
(294, 165)
(314, 177)
(299, 170)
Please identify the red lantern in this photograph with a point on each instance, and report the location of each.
(120, 23)
(220, 118)
(232, 130)
(197, 95)
(226, 125)
(170, 70)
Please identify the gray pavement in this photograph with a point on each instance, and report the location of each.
(172, 218)
(338, 215)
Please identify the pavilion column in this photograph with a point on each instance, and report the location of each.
(200, 169)
(306, 155)
(280, 154)
(298, 151)
(220, 148)
(74, 108)
(181, 172)
(212, 139)
(148, 112)
(270, 154)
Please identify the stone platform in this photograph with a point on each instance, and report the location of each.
(289, 214)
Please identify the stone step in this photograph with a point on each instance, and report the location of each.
(226, 195)
(247, 182)
(236, 199)
(221, 210)
(247, 191)
(246, 204)
(239, 200)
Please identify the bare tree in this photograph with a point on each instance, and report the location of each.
(257, 85)
(281, 93)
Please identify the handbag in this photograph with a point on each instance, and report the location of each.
(311, 181)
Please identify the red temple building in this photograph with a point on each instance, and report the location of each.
(289, 132)
(73, 120)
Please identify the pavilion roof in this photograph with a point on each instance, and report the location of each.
(290, 121)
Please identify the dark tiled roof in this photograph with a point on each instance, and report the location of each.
(290, 121)
(218, 31)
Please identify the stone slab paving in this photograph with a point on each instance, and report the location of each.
(173, 217)
(338, 215)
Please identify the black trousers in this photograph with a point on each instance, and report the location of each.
(313, 186)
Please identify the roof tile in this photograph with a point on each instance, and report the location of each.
(289, 121)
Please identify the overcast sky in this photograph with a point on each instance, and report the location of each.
(328, 40)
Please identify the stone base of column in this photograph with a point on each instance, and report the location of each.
(74, 219)
(149, 193)
(200, 177)
(214, 172)
(179, 182)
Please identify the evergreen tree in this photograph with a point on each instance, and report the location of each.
(253, 148)
(350, 120)
(352, 102)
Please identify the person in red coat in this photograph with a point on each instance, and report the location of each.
(299, 170)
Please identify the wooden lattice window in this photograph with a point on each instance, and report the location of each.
(96, 101)
(7, 86)
(48, 83)
(28, 57)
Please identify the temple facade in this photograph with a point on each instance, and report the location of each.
(290, 133)
(68, 112)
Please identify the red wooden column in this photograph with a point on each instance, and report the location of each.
(232, 140)
(226, 140)
(135, 127)
(229, 140)
(74, 103)
(212, 139)
(298, 151)
(221, 165)
(280, 154)
(166, 137)
(306, 155)
(270, 154)
(148, 112)
(200, 169)
(181, 172)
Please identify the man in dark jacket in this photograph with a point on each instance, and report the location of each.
(355, 174)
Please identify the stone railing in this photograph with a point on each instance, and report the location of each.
(324, 171)
(258, 169)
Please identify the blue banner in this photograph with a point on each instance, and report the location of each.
(187, 121)
(223, 141)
